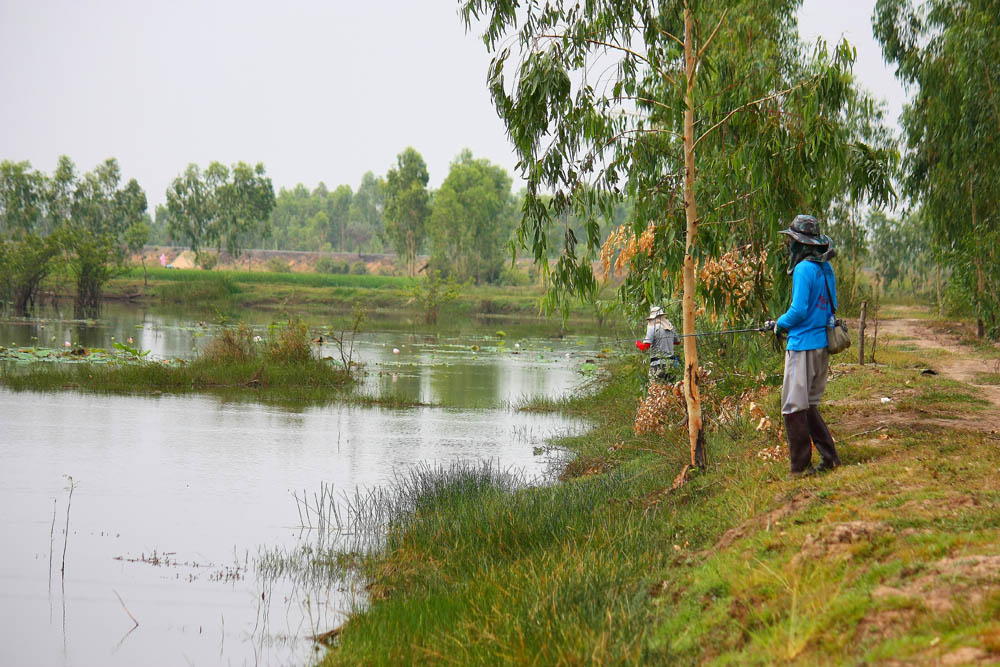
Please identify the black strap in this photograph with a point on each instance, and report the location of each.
(829, 296)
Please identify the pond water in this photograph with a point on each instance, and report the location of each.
(174, 497)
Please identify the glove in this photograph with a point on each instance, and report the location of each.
(641, 345)
(769, 325)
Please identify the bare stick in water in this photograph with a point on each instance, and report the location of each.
(126, 609)
(52, 533)
(72, 485)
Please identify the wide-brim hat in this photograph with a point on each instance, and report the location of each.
(805, 230)
(655, 312)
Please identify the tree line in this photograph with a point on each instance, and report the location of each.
(89, 222)
(94, 222)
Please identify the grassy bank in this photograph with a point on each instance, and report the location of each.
(315, 291)
(891, 557)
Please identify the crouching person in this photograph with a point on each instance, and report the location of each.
(660, 341)
(807, 360)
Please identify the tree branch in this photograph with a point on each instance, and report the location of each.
(743, 107)
(704, 46)
(609, 45)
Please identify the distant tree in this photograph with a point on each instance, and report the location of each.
(26, 253)
(888, 245)
(193, 208)
(221, 207)
(245, 201)
(368, 206)
(95, 239)
(338, 207)
(407, 206)
(136, 237)
(948, 51)
(358, 235)
(472, 220)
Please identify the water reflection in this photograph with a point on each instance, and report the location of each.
(177, 495)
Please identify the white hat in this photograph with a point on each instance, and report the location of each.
(655, 312)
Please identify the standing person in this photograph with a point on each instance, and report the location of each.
(660, 340)
(814, 298)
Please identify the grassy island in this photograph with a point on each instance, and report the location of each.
(279, 367)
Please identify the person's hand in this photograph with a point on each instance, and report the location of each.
(769, 325)
(641, 345)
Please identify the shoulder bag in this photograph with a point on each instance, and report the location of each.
(837, 337)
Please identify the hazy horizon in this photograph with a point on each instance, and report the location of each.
(315, 91)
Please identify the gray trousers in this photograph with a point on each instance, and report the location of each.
(805, 379)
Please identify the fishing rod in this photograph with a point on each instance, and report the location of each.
(703, 333)
(723, 332)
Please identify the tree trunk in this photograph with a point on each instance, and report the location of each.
(861, 333)
(980, 328)
(940, 305)
(692, 395)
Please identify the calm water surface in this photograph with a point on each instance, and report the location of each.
(175, 496)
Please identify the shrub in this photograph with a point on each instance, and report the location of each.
(513, 277)
(231, 345)
(208, 261)
(278, 265)
(331, 265)
(359, 269)
(288, 343)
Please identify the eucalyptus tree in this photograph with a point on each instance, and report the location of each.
(95, 238)
(407, 206)
(472, 220)
(223, 207)
(709, 117)
(367, 208)
(26, 251)
(949, 50)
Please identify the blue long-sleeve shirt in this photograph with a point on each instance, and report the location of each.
(806, 320)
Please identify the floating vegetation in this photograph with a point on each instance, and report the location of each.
(72, 354)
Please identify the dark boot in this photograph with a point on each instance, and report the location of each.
(823, 440)
(799, 444)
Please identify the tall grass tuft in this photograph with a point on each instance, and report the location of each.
(231, 345)
(200, 288)
(288, 343)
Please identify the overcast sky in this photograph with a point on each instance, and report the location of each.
(317, 90)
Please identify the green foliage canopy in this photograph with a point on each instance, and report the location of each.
(407, 206)
(594, 95)
(471, 220)
(220, 206)
(950, 51)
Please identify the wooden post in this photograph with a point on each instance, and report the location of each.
(861, 334)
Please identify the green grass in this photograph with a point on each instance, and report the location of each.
(987, 378)
(272, 278)
(612, 566)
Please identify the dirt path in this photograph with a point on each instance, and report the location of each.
(954, 361)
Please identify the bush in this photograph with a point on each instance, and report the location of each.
(278, 265)
(208, 261)
(288, 343)
(331, 265)
(231, 345)
(359, 269)
(285, 344)
(514, 277)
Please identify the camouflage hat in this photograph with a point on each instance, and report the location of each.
(654, 312)
(805, 230)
